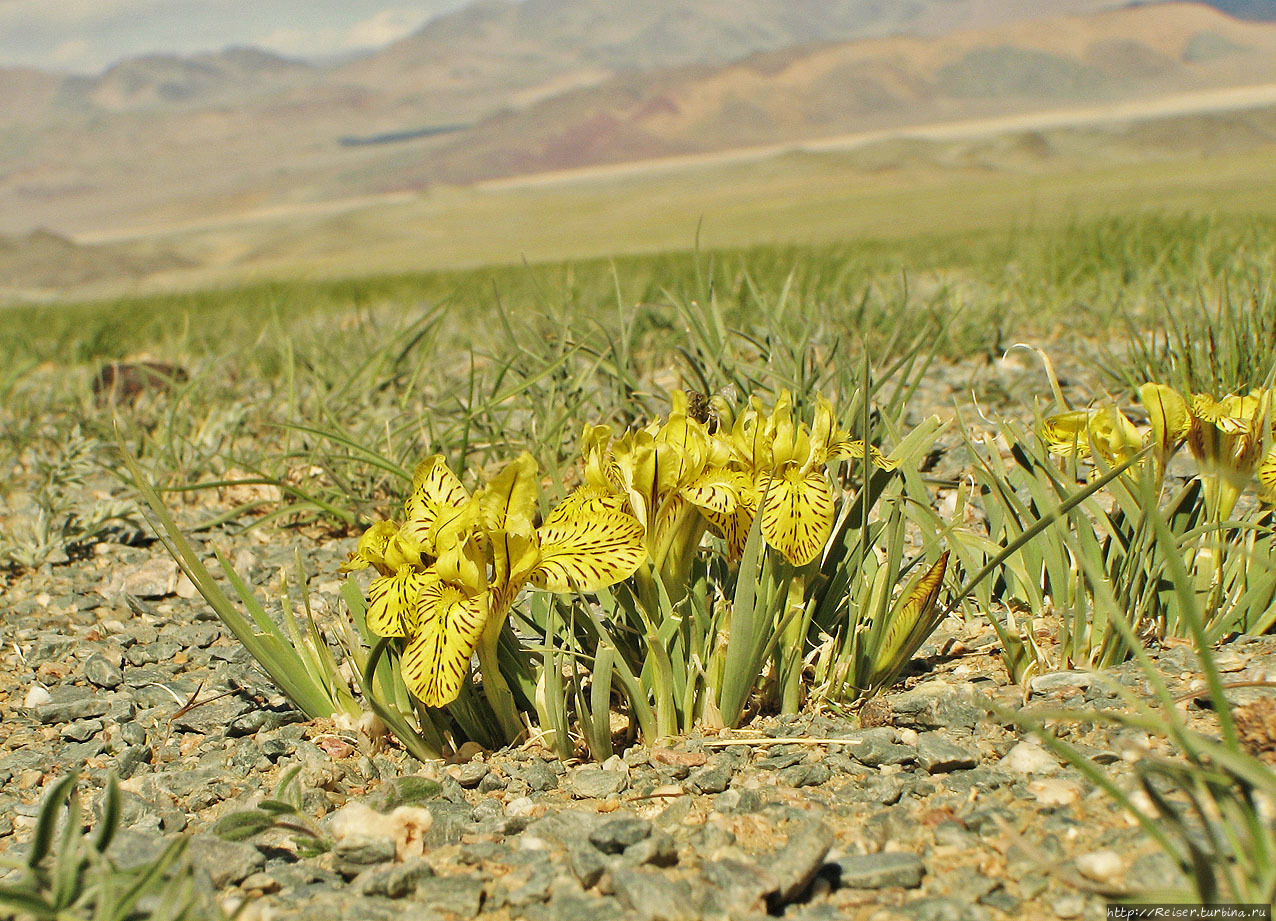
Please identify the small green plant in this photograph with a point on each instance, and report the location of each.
(1210, 798)
(68, 873)
(281, 812)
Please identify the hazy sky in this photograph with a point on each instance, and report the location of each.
(87, 35)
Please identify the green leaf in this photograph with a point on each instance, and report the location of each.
(240, 826)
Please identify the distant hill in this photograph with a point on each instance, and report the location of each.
(502, 88)
(1248, 9)
(824, 89)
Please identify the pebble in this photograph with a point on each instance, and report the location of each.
(100, 671)
(937, 755)
(1028, 758)
(880, 871)
(595, 783)
(1104, 866)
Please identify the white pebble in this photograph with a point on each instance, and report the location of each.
(1029, 758)
(1101, 866)
(1054, 792)
(37, 696)
(523, 807)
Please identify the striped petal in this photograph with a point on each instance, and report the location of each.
(797, 513)
(586, 546)
(437, 660)
(1266, 473)
(508, 502)
(392, 602)
(717, 490)
(434, 488)
(734, 527)
(1167, 415)
(371, 548)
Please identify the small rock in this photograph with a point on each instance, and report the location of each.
(395, 882)
(1055, 792)
(880, 871)
(587, 865)
(226, 862)
(712, 778)
(806, 774)
(595, 783)
(652, 896)
(459, 894)
(356, 853)
(81, 730)
(614, 836)
(741, 887)
(37, 696)
(469, 775)
(875, 747)
(155, 578)
(101, 671)
(1058, 681)
(1105, 866)
(937, 755)
(796, 864)
(1028, 758)
(659, 850)
(935, 705)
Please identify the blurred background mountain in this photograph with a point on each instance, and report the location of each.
(504, 89)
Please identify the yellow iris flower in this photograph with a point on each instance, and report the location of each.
(450, 572)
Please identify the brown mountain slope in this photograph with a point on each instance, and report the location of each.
(836, 88)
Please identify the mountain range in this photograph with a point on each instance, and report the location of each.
(501, 88)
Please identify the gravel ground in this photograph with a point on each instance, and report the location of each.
(935, 811)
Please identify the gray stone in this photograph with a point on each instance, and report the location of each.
(151, 653)
(576, 908)
(71, 703)
(659, 850)
(81, 730)
(939, 908)
(710, 778)
(877, 788)
(613, 836)
(880, 871)
(587, 864)
(102, 671)
(213, 717)
(568, 827)
(539, 777)
(155, 578)
(226, 862)
(937, 755)
(451, 822)
(394, 882)
(796, 864)
(133, 733)
(595, 783)
(1059, 681)
(875, 747)
(131, 849)
(652, 896)
(535, 888)
(460, 894)
(357, 853)
(805, 774)
(740, 887)
(471, 774)
(934, 705)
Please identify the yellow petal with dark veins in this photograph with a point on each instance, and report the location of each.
(797, 513)
(586, 546)
(434, 487)
(437, 660)
(392, 602)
